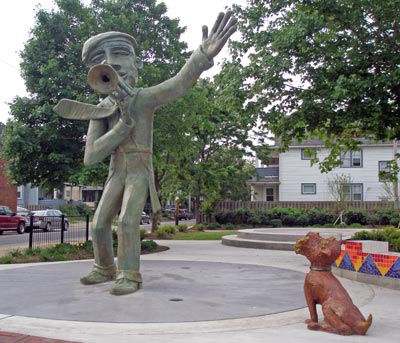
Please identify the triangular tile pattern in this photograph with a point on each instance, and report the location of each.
(394, 270)
(369, 267)
(354, 259)
(346, 263)
(340, 258)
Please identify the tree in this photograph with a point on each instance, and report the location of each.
(206, 145)
(325, 69)
(41, 147)
(336, 188)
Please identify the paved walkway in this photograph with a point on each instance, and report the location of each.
(190, 263)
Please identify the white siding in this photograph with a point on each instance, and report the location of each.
(293, 171)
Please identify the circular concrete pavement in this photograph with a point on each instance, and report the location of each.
(173, 291)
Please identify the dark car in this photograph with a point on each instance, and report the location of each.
(185, 214)
(9, 221)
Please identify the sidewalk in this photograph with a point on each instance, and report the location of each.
(284, 326)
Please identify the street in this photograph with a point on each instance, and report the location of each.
(10, 240)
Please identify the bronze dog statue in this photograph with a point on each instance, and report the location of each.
(341, 316)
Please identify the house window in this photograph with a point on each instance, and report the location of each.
(308, 188)
(352, 192)
(308, 153)
(91, 195)
(351, 159)
(270, 194)
(383, 167)
(19, 192)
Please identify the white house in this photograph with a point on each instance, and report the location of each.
(291, 177)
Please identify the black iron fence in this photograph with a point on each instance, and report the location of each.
(46, 231)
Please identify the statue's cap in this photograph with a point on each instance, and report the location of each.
(94, 41)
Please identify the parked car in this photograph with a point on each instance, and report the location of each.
(185, 214)
(9, 221)
(48, 220)
(145, 218)
(22, 211)
(169, 209)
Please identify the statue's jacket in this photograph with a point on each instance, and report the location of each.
(134, 139)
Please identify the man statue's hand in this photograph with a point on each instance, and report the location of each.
(223, 28)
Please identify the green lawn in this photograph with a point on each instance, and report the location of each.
(203, 235)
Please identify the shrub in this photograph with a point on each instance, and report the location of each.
(143, 234)
(199, 227)
(361, 236)
(302, 220)
(289, 220)
(229, 226)
(356, 226)
(372, 219)
(276, 223)
(148, 245)
(161, 232)
(69, 210)
(212, 226)
(170, 229)
(182, 228)
(394, 220)
(354, 216)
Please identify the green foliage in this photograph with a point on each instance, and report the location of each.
(164, 231)
(44, 149)
(143, 234)
(58, 252)
(200, 235)
(229, 226)
(199, 147)
(69, 210)
(147, 246)
(355, 217)
(212, 226)
(326, 69)
(314, 217)
(276, 223)
(199, 227)
(182, 228)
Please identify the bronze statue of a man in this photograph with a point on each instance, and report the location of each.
(122, 126)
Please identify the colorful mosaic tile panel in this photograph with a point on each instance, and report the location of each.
(394, 270)
(354, 259)
(369, 267)
(346, 263)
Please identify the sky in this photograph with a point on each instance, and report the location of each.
(17, 19)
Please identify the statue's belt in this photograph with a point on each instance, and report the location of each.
(321, 268)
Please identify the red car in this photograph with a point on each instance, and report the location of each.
(9, 221)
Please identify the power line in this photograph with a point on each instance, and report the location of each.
(9, 64)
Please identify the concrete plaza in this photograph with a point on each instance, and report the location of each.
(197, 291)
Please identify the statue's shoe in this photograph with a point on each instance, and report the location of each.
(95, 277)
(125, 286)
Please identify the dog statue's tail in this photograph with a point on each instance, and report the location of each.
(361, 328)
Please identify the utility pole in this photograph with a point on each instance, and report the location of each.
(396, 182)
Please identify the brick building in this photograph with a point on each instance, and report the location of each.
(8, 193)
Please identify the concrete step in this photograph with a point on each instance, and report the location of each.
(235, 241)
(269, 239)
(263, 236)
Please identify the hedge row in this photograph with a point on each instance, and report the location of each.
(283, 216)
